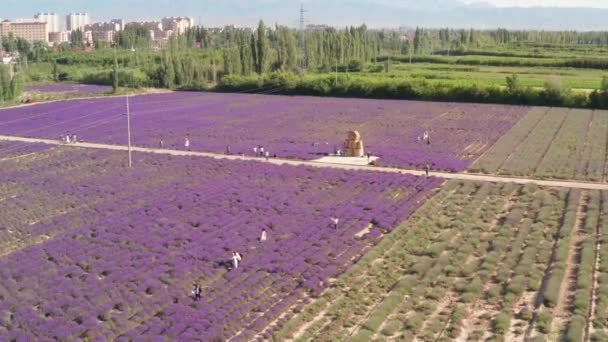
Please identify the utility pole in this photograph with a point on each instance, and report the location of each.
(129, 132)
(303, 61)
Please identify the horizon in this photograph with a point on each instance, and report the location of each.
(550, 15)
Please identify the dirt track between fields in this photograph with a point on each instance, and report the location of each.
(446, 175)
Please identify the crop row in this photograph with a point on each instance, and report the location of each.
(552, 143)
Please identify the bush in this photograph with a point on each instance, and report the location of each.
(373, 86)
(501, 323)
(599, 336)
(545, 319)
(552, 291)
(391, 328)
(126, 78)
(415, 322)
(576, 329)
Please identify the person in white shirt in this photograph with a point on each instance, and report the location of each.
(335, 220)
(264, 237)
(235, 261)
(255, 150)
(187, 143)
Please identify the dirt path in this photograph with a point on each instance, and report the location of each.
(446, 175)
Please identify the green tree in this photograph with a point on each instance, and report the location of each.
(605, 83)
(77, 38)
(55, 70)
(115, 73)
(15, 87)
(254, 52)
(262, 48)
(513, 84)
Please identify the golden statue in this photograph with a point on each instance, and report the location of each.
(353, 146)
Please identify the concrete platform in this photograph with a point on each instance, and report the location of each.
(359, 161)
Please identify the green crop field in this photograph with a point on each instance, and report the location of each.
(477, 262)
(585, 79)
(555, 143)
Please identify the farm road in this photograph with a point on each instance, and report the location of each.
(446, 175)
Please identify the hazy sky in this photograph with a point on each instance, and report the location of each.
(560, 3)
(375, 13)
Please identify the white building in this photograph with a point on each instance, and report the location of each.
(178, 25)
(75, 21)
(51, 19)
(28, 29)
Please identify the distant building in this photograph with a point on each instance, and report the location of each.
(54, 37)
(312, 27)
(104, 36)
(152, 25)
(105, 31)
(30, 30)
(51, 19)
(59, 37)
(178, 25)
(76, 21)
(99, 27)
(118, 23)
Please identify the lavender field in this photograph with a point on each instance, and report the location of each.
(69, 88)
(290, 127)
(92, 250)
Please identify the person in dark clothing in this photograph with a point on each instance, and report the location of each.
(197, 292)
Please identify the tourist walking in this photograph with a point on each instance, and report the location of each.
(263, 237)
(255, 151)
(267, 155)
(228, 149)
(261, 151)
(187, 143)
(197, 292)
(235, 261)
(335, 221)
(427, 169)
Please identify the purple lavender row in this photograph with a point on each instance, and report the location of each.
(290, 127)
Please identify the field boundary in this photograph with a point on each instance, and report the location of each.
(446, 175)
